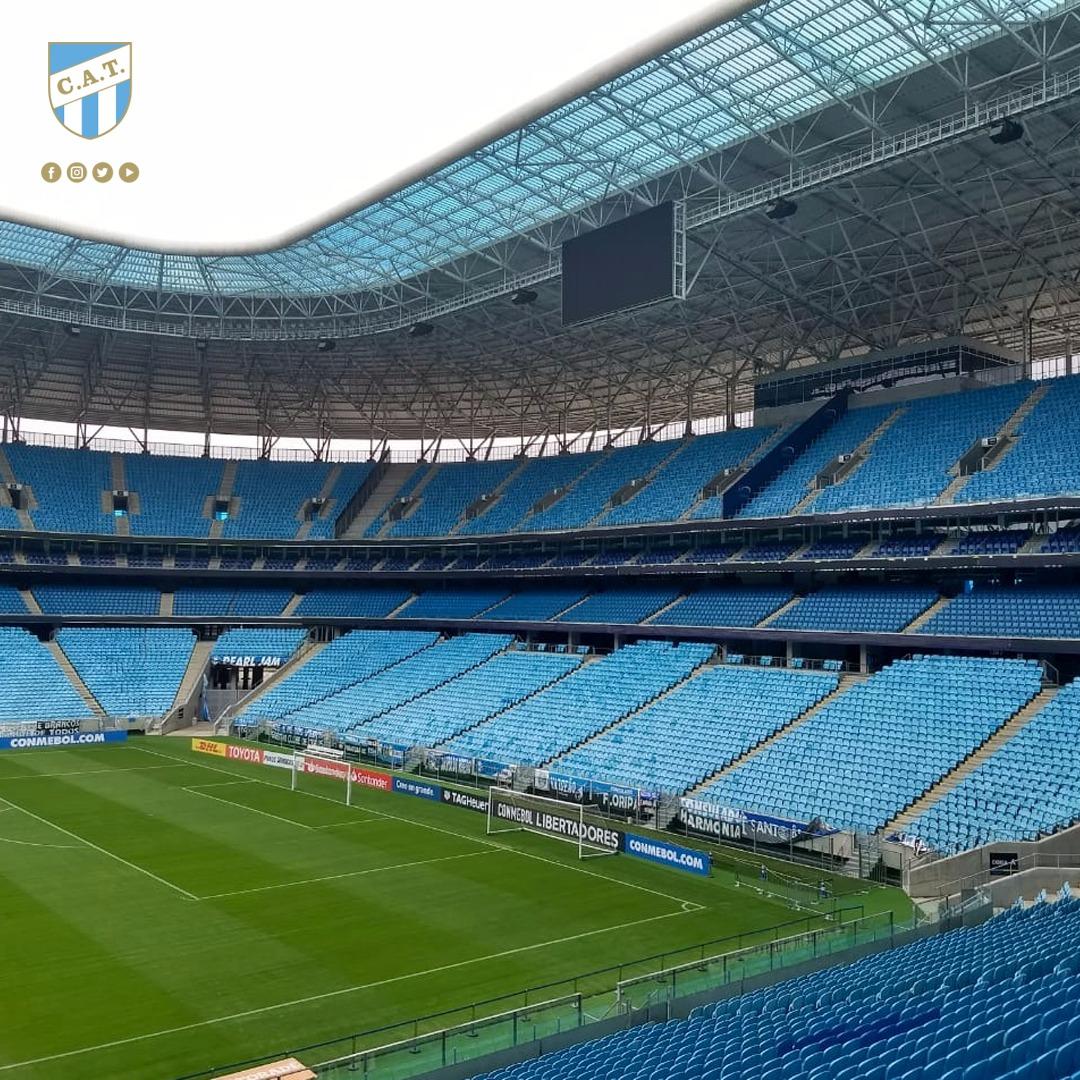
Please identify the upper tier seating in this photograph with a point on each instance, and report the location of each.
(67, 599)
(225, 600)
(538, 604)
(172, 494)
(349, 480)
(271, 496)
(680, 480)
(449, 493)
(406, 489)
(1010, 611)
(354, 601)
(131, 671)
(258, 642)
(1043, 460)
(869, 608)
(1028, 787)
(875, 748)
(998, 1000)
(68, 485)
(909, 465)
(587, 499)
(346, 660)
(463, 602)
(726, 605)
(363, 701)
(697, 729)
(787, 490)
(461, 703)
(35, 686)
(589, 699)
(538, 478)
(629, 604)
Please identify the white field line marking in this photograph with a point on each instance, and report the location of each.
(90, 772)
(336, 993)
(97, 847)
(358, 821)
(347, 874)
(221, 783)
(459, 836)
(29, 843)
(250, 809)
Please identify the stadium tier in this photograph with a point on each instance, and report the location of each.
(865, 609)
(113, 599)
(865, 756)
(35, 686)
(131, 671)
(361, 602)
(699, 727)
(467, 700)
(725, 606)
(364, 700)
(994, 1001)
(231, 600)
(1027, 788)
(590, 699)
(902, 454)
(1010, 611)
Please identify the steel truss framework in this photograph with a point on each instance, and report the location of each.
(911, 225)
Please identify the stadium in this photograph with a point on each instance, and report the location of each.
(608, 607)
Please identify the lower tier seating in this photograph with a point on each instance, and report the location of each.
(596, 695)
(696, 729)
(35, 686)
(467, 700)
(869, 753)
(397, 683)
(994, 1001)
(1029, 787)
(131, 670)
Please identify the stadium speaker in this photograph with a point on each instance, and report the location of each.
(782, 208)
(1007, 131)
(523, 297)
(200, 344)
(73, 330)
(325, 344)
(420, 329)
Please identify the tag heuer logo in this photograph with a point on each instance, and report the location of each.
(89, 85)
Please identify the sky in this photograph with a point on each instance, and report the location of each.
(251, 122)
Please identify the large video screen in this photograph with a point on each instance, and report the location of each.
(620, 266)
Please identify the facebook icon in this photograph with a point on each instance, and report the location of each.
(50, 172)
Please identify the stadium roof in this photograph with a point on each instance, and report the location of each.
(770, 65)
(911, 225)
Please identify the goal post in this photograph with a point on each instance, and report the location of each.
(309, 763)
(562, 819)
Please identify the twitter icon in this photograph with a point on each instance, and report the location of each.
(102, 172)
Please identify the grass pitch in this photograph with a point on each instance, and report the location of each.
(163, 912)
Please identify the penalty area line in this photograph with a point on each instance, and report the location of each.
(330, 994)
(483, 841)
(104, 851)
(345, 874)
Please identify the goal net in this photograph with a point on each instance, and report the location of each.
(309, 769)
(515, 811)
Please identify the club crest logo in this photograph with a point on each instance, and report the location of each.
(89, 85)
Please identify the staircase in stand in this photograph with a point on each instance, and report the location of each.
(7, 473)
(390, 483)
(75, 679)
(228, 478)
(845, 684)
(493, 496)
(953, 778)
(781, 610)
(1008, 430)
(328, 485)
(860, 453)
(30, 600)
(304, 655)
(924, 617)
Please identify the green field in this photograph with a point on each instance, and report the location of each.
(165, 912)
